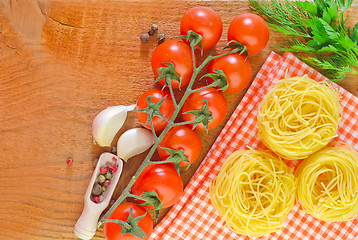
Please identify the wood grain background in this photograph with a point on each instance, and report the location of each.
(61, 63)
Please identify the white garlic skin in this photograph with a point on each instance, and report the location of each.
(133, 142)
(107, 124)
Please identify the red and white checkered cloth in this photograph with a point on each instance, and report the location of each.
(195, 218)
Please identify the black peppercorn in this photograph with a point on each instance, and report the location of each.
(144, 37)
(97, 189)
(154, 27)
(151, 32)
(161, 38)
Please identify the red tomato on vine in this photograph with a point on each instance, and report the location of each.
(216, 103)
(162, 178)
(181, 137)
(167, 108)
(179, 54)
(204, 21)
(250, 30)
(237, 70)
(112, 231)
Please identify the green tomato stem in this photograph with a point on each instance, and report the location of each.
(136, 196)
(160, 162)
(172, 94)
(153, 131)
(183, 123)
(203, 88)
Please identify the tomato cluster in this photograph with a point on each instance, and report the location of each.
(247, 29)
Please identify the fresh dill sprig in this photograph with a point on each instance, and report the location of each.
(317, 29)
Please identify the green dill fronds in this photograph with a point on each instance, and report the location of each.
(316, 29)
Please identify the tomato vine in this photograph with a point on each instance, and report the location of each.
(202, 116)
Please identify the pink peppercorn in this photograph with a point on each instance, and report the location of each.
(69, 161)
(103, 170)
(106, 183)
(96, 199)
(112, 169)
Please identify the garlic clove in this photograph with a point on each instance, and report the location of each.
(133, 142)
(107, 124)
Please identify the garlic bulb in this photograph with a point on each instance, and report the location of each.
(107, 124)
(133, 142)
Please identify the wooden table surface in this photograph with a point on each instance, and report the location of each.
(61, 63)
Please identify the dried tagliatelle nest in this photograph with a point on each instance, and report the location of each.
(253, 192)
(327, 184)
(298, 117)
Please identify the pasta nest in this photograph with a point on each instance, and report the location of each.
(298, 117)
(327, 184)
(253, 192)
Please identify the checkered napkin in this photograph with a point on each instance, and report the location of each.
(195, 218)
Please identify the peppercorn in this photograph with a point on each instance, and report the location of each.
(103, 170)
(154, 27)
(151, 32)
(112, 169)
(69, 161)
(96, 199)
(108, 175)
(161, 38)
(103, 189)
(106, 183)
(97, 189)
(144, 37)
(101, 178)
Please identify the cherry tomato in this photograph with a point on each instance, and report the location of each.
(167, 108)
(204, 21)
(177, 53)
(237, 71)
(216, 103)
(162, 178)
(112, 231)
(181, 137)
(250, 30)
